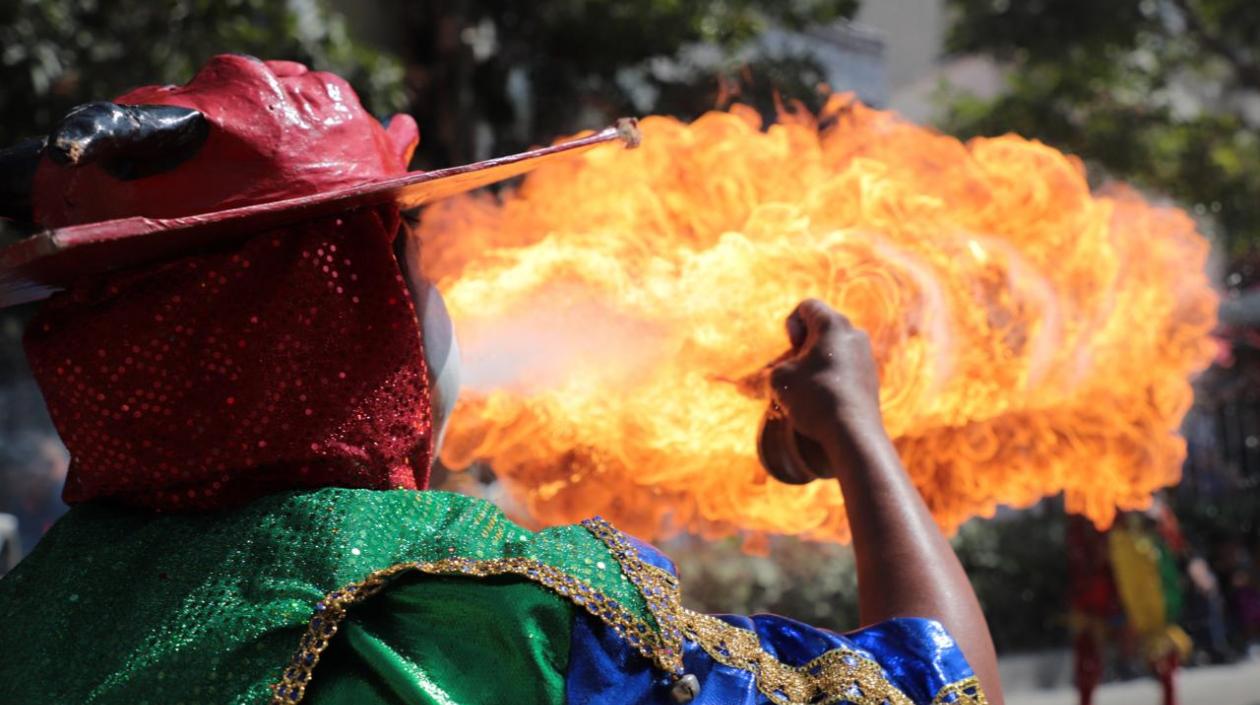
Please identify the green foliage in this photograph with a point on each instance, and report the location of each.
(55, 54)
(452, 64)
(815, 583)
(594, 38)
(1154, 92)
(585, 61)
(1018, 567)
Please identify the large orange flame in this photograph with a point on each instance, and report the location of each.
(1033, 338)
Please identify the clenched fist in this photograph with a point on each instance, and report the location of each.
(828, 388)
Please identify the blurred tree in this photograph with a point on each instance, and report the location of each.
(494, 73)
(523, 73)
(58, 53)
(812, 582)
(1162, 93)
(1017, 566)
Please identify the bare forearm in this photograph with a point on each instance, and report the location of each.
(905, 566)
(829, 386)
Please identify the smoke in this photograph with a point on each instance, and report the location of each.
(560, 337)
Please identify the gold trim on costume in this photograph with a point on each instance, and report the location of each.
(331, 611)
(839, 675)
(964, 692)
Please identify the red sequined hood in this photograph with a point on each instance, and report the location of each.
(290, 361)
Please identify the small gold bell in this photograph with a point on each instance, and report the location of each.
(685, 689)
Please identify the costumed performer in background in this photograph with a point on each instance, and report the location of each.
(252, 421)
(1148, 583)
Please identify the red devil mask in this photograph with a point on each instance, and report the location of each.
(290, 361)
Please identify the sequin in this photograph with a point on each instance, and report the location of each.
(321, 629)
(835, 676)
(208, 383)
(240, 587)
(963, 692)
(250, 610)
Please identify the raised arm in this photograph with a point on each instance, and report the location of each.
(829, 389)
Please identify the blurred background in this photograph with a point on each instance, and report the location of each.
(1163, 94)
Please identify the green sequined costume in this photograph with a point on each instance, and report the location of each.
(214, 607)
(366, 597)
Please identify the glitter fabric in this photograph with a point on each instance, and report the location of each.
(436, 641)
(335, 610)
(916, 652)
(195, 608)
(290, 361)
(263, 603)
(785, 662)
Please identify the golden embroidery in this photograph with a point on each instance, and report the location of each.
(964, 692)
(659, 589)
(839, 675)
(331, 611)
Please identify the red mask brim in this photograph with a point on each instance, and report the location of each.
(36, 267)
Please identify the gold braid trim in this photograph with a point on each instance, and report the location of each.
(964, 692)
(839, 675)
(331, 611)
(659, 589)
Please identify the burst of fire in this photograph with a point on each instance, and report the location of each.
(1033, 338)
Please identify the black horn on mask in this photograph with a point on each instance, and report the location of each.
(128, 141)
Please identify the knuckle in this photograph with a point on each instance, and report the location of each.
(816, 308)
(823, 316)
(817, 314)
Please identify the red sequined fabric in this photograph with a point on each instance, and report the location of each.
(290, 361)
